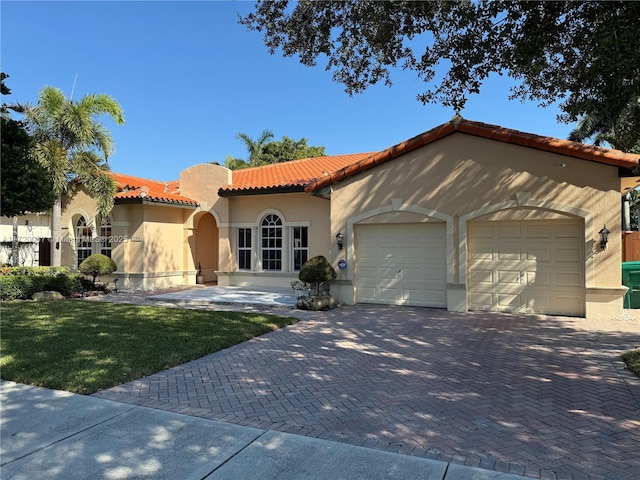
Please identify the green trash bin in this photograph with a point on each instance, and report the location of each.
(631, 280)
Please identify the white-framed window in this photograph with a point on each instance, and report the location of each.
(271, 242)
(105, 237)
(244, 249)
(84, 237)
(300, 248)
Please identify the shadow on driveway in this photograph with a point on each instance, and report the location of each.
(535, 396)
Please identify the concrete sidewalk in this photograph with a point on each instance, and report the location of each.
(59, 435)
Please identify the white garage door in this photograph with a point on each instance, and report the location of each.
(527, 267)
(401, 264)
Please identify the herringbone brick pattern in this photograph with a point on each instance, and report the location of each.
(543, 397)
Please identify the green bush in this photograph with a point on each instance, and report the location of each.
(317, 270)
(20, 283)
(32, 271)
(96, 265)
(13, 287)
(66, 284)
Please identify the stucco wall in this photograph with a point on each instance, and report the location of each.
(201, 183)
(148, 240)
(295, 209)
(462, 178)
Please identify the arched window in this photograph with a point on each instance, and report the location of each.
(271, 236)
(105, 237)
(84, 236)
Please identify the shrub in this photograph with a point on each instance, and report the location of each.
(32, 271)
(13, 287)
(20, 283)
(96, 265)
(66, 284)
(316, 271)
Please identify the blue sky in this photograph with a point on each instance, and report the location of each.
(189, 78)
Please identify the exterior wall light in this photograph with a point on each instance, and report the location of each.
(604, 237)
(339, 238)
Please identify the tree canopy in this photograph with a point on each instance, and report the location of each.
(265, 152)
(582, 53)
(25, 185)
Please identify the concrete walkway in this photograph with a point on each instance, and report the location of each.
(59, 435)
(538, 396)
(272, 297)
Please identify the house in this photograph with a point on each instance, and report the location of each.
(34, 232)
(466, 216)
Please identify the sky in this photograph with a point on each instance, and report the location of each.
(190, 78)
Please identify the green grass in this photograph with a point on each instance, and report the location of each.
(632, 361)
(84, 347)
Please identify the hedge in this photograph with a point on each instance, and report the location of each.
(20, 283)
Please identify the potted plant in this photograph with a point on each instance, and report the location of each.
(199, 275)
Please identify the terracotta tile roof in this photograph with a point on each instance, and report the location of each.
(494, 132)
(287, 176)
(150, 190)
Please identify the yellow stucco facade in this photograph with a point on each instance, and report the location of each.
(463, 179)
(462, 182)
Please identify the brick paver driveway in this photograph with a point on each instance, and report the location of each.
(544, 397)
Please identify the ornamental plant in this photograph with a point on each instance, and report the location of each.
(299, 285)
(317, 270)
(96, 265)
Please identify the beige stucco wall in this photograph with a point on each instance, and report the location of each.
(148, 241)
(295, 209)
(462, 178)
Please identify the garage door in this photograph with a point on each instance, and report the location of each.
(527, 267)
(401, 264)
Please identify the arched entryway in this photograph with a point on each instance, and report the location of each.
(206, 246)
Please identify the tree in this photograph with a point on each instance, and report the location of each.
(264, 152)
(622, 134)
(97, 265)
(254, 149)
(583, 53)
(317, 270)
(72, 145)
(288, 149)
(25, 187)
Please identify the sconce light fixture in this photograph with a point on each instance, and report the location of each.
(604, 237)
(339, 238)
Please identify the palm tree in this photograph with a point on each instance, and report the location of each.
(71, 144)
(254, 149)
(621, 133)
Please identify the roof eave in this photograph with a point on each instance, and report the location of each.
(553, 145)
(260, 191)
(157, 202)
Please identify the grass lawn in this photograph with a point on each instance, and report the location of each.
(84, 347)
(632, 361)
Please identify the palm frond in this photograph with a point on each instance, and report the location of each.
(101, 104)
(102, 186)
(53, 158)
